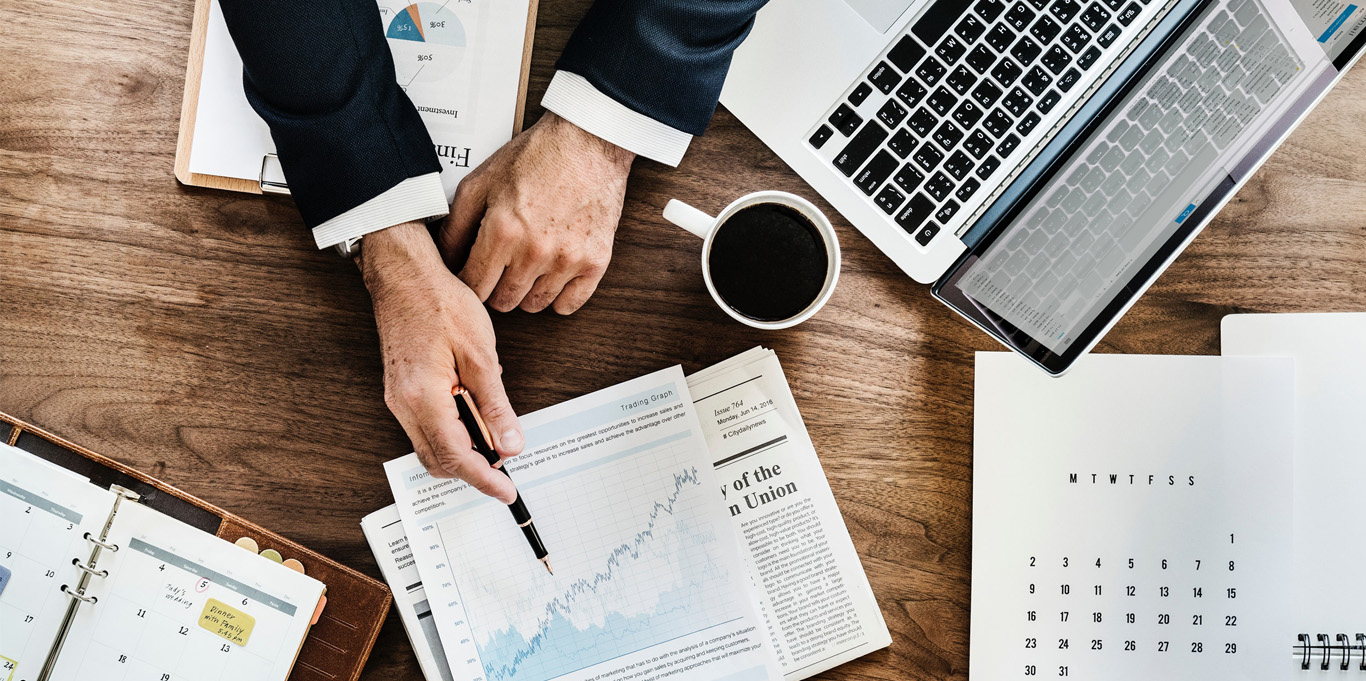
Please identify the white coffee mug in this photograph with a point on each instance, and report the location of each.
(705, 227)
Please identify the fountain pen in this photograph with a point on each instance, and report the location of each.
(482, 443)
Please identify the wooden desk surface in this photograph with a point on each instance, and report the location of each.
(199, 335)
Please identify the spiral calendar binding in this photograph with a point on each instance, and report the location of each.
(1321, 649)
(89, 570)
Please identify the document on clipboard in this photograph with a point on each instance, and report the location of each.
(463, 64)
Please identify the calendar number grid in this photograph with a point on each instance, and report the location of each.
(1080, 608)
(147, 628)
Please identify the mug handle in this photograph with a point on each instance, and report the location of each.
(689, 218)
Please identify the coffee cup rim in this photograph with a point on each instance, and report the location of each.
(823, 226)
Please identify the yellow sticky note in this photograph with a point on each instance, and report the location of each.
(227, 621)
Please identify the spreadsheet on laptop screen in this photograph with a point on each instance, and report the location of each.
(1144, 170)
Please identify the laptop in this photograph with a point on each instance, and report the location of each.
(1039, 162)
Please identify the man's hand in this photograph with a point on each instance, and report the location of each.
(541, 214)
(434, 334)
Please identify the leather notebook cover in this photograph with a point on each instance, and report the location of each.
(337, 646)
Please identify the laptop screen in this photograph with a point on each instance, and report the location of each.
(1334, 24)
(1126, 195)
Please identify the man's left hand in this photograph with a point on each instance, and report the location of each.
(537, 218)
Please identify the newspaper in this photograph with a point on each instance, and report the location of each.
(814, 595)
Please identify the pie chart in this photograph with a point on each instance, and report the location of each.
(428, 41)
(427, 22)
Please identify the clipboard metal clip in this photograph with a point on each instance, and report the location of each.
(272, 186)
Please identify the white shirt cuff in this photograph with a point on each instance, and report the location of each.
(416, 198)
(577, 101)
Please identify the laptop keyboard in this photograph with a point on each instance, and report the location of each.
(969, 89)
(1127, 187)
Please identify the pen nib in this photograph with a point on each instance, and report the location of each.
(547, 565)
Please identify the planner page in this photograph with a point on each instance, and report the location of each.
(1329, 351)
(1131, 520)
(44, 514)
(179, 604)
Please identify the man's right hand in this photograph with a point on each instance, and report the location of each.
(532, 226)
(435, 334)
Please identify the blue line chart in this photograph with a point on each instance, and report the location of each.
(557, 644)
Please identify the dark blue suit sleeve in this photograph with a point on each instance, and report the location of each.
(666, 59)
(320, 73)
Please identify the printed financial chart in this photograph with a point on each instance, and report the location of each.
(429, 42)
(631, 541)
(436, 32)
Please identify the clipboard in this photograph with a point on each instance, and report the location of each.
(271, 178)
(336, 647)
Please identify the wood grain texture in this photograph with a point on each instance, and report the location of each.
(199, 336)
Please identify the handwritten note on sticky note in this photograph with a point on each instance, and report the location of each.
(227, 621)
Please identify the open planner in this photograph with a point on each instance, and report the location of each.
(1174, 517)
(94, 584)
(692, 531)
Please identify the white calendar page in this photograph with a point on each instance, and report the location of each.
(1330, 464)
(1132, 520)
(171, 590)
(44, 513)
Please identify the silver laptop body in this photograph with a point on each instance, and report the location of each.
(1040, 162)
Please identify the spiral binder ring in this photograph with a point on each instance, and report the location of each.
(104, 545)
(79, 596)
(1326, 648)
(89, 570)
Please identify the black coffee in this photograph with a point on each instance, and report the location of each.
(768, 262)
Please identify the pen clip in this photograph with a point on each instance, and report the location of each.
(469, 414)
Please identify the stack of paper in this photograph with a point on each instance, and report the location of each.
(1174, 517)
(692, 531)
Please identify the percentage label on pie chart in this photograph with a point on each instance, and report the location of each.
(426, 22)
(429, 40)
